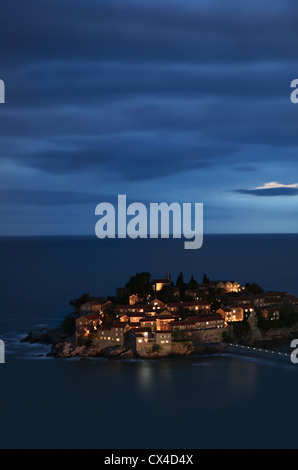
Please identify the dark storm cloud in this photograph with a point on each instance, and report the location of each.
(110, 68)
(139, 159)
(48, 84)
(269, 192)
(137, 91)
(155, 31)
(44, 197)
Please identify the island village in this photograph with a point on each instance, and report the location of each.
(151, 318)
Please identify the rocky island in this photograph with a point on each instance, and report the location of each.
(157, 318)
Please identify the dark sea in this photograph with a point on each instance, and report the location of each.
(223, 401)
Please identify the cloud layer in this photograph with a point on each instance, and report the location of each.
(183, 101)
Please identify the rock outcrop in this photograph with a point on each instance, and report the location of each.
(45, 336)
(68, 349)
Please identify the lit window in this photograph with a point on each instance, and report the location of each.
(139, 340)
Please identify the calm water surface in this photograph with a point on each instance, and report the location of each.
(207, 402)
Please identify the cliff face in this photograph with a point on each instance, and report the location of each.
(69, 349)
(280, 333)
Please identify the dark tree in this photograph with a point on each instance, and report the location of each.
(167, 294)
(206, 279)
(192, 283)
(253, 288)
(180, 281)
(183, 312)
(76, 303)
(140, 284)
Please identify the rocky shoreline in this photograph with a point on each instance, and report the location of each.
(64, 346)
(69, 349)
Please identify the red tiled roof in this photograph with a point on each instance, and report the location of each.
(91, 316)
(141, 329)
(135, 314)
(165, 317)
(182, 322)
(204, 318)
(148, 319)
(119, 324)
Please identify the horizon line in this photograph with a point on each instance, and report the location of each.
(159, 238)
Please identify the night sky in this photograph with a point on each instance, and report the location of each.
(163, 101)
